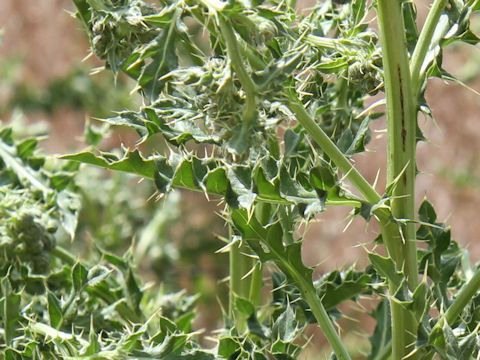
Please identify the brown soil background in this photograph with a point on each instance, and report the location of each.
(50, 42)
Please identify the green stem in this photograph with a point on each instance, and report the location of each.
(404, 324)
(333, 152)
(321, 315)
(401, 126)
(256, 283)
(309, 294)
(342, 94)
(390, 230)
(235, 273)
(296, 276)
(64, 255)
(424, 43)
(235, 56)
(466, 293)
(332, 43)
(239, 266)
(464, 296)
(292, 4)
(247, 263)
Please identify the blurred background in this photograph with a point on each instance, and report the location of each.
(45, 87)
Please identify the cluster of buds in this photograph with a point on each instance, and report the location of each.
(366, 71)
(32, 241)
(118, 29)
(210, 94)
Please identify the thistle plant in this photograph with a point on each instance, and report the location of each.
(54, 305)
(263, 109)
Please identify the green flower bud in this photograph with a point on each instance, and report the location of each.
(41, 263)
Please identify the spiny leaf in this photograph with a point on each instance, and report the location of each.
(22, 167)
(285, 327)
(386, 268)
(287, 257)
(10, 310)
(240, 185)
(339, 286)
(55, 313)
(79, 277)
(381, 338)
(131, 162)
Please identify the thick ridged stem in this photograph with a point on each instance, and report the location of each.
(401, 126)
(401, 172)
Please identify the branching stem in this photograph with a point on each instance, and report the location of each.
(390, 231)
(465, 295)
(64, 255)
(338, 158)
(235, 56)
(424, 43)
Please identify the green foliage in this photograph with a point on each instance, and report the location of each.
(77, 90)
(36, 209)
(53, 305)
(269, 180)
(97, 311)
(274, 338)
(157, 43)
(234, 91)
(276, 101)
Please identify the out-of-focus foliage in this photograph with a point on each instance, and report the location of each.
(118, 213)
(236, 87)
(224, 84)
(54, 305)
(77, 90)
